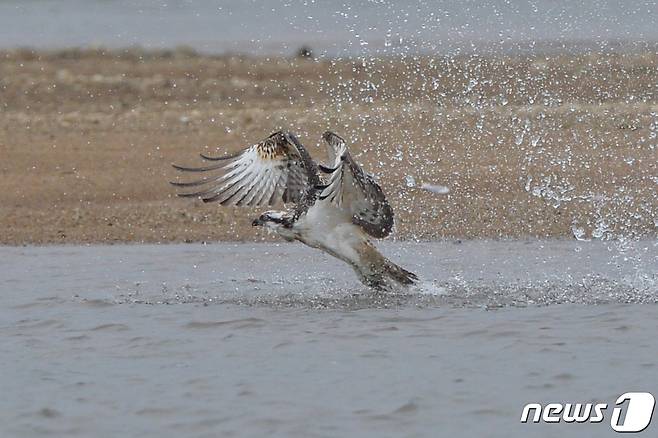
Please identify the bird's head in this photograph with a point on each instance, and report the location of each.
(277, 221)
(270, 219)
(333, 140)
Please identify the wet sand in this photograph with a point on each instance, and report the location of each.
(556, 146)
(233, 339)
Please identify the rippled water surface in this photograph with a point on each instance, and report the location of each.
(256, 339)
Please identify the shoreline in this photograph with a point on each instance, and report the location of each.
(479, 49)
(388, 241)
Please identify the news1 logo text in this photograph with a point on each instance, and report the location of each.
(631, 413)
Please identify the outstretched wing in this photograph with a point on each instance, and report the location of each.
(350, 188)
(278, 168)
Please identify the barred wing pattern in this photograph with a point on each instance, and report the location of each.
(350, 188)
(276, 169)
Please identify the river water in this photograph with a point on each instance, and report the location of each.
(265, 339)
(368, 27)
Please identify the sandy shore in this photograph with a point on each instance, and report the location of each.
(541, 147)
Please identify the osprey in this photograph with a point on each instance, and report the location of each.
(336, 208)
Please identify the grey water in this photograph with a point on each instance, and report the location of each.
(363, 27)
(238, 339)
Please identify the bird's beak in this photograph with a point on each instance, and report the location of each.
(257, 222)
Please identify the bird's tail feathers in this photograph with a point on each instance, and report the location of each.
(399, 274)
(380, 273)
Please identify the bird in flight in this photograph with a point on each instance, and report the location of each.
(337, 208)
